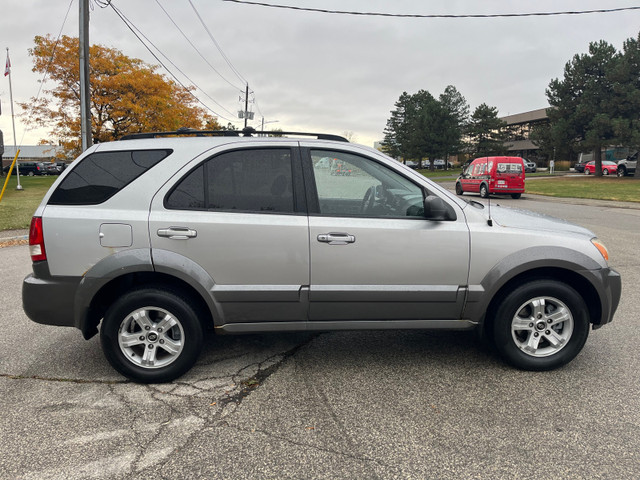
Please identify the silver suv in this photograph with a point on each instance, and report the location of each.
(159, 237)
(627, 166)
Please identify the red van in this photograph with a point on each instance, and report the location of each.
(493, 175)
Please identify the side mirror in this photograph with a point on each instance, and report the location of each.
(436, 209)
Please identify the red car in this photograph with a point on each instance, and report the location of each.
(608, 168)
(493, 175)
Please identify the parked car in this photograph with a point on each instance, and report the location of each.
(579, 167)
(411, 164)
(52, 168)
(438, 164)
(608, 167)
(27, 169)
(628, 165)
(493, 175)
(156, 237)
(529, 167)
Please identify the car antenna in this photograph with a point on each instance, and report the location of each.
(489, 220)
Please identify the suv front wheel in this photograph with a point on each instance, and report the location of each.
(541, 325)
(151, 335)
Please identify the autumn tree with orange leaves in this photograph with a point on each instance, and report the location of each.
(127, 95)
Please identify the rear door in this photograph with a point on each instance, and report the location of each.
(373, 254)
(509, 175)
(240, 215)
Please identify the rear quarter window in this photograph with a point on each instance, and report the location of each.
(101, 175)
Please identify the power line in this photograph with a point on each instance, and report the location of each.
(401, 15)
(196, 48)
(133, 29)
(242, 79)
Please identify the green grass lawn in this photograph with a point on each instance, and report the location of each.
(17, 206)
(604, 188)
(443, 175)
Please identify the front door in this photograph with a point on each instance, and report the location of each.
(373, 254)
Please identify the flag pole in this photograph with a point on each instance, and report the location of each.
(7, 71)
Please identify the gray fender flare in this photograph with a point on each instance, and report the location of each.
(137, 261)
(480, 296)
(107, 269)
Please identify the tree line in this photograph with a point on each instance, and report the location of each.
(595, 105)
(424, 127)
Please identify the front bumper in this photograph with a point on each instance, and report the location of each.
(610, 293)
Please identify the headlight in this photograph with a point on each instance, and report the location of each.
(601, 248)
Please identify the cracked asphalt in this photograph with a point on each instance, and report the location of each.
(359, 405)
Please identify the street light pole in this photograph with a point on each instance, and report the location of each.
(13, 121)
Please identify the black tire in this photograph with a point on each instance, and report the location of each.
(132, 329)
(621, 171)
(459, 190)
(587, 172)
(31, 174)
(516, 196)
(605, 171)
(484, 191)
(562, 319)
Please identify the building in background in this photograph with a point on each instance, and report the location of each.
(32, 153)
(519, 126)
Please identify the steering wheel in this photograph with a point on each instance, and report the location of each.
(369, 200)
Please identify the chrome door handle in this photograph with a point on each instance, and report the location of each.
(336, 238)
(177, 233)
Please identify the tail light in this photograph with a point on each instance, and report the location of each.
(36, 240)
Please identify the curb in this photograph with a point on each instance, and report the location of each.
(17, 237)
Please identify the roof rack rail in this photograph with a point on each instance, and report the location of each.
(246, 132)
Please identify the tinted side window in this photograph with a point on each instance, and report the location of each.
(189, 194)
(101, 175)
(257, 180)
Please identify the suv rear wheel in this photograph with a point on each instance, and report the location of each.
(151, 335)
(622, 171)
(541, 325)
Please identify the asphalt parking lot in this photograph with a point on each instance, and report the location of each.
(334, 405)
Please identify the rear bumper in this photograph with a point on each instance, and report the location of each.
(505, 190)
(50, 301)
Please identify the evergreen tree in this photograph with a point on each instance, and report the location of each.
(584, 113)
(486, 132)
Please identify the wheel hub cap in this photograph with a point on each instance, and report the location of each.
(542, 326)
(151, 337)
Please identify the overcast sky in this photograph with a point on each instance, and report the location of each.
(326, 72)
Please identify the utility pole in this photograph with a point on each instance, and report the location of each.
(85, 105)
(246, 106)
(246, 114)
